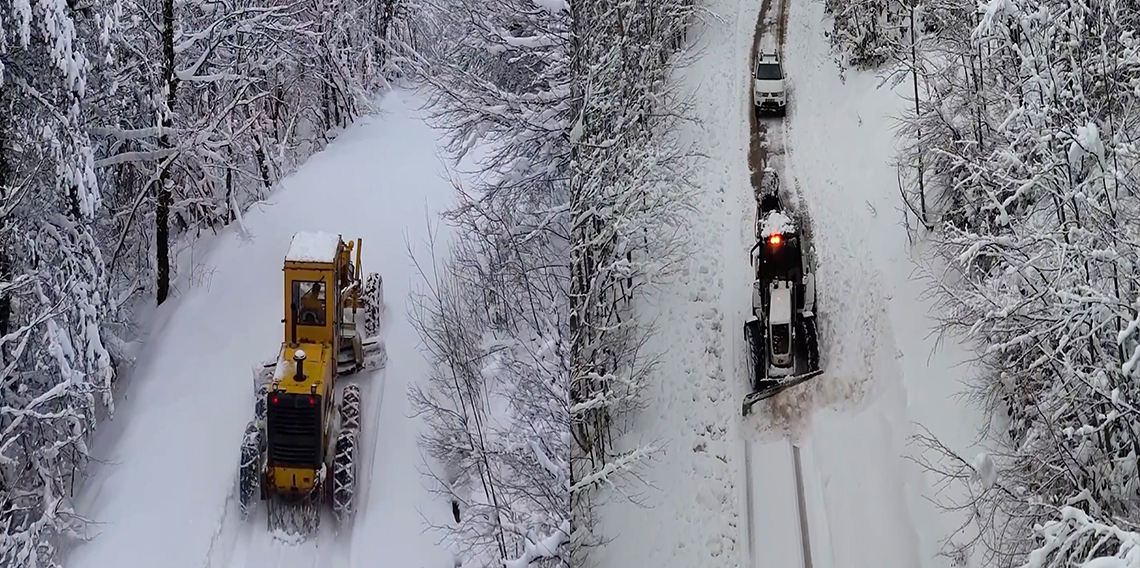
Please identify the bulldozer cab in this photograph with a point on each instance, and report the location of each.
(319, 283)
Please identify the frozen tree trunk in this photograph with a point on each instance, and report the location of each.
(262, 166)
(917, 111)
(579, 261)
(5, 262)
(385, 11)
(162, 211)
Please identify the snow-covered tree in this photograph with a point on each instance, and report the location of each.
(54, 300)
(572, 210)
(202, 106)
(1029, 128)
(868, 33)
(1074, 540)
(494, 317)
(628, 187)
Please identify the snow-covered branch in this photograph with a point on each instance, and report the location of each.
(1025, 132)
(127, 126)
(567, 219)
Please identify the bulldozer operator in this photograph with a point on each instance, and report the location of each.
(312, 306)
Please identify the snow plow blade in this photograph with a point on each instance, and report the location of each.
(780, 386)
(375, 354)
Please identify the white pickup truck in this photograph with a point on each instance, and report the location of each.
(768, 85)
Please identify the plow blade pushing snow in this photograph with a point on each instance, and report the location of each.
(768, 380)
(776, 388)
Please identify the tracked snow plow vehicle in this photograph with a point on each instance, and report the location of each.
(299, 452)
(781, 334)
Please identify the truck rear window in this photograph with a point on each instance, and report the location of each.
(768, 71)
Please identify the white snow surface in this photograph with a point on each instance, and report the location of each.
(883, 371)
(723, 493)
(166, 495)
(317, 246)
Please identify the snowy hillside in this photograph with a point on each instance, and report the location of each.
(725, 492)
(166, 493)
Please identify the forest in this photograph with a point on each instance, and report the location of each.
(1020, 166)
(130, 128)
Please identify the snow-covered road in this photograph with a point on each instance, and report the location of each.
(725, 492)
(166, 494)
(865, 499)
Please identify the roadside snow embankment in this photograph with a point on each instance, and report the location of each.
(687, 515)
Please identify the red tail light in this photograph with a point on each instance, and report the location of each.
(274, 399)
(312, 401)
(774, 239)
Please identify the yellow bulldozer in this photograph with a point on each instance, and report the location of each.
(299, 451)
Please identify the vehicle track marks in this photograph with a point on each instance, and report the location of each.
(224, 539)
(801, 504)
(768, 144)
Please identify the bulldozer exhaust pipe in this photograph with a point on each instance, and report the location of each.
(299, 359)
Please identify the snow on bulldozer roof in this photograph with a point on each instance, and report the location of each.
(313, 247)
(776, 223)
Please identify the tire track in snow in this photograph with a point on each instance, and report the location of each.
(376, 405)
(801, 506)
(766, 530)
(225, 538)
(749, 499)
